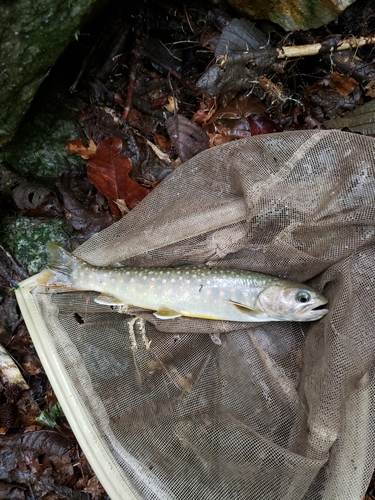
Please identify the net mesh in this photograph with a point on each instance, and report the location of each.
(278, 410)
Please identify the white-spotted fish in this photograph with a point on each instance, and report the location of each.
(197, 292)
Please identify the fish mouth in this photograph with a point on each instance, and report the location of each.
(314, 311)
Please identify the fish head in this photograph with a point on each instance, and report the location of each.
(292, 302)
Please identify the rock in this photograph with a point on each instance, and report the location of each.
(293, 14)
(33, 35)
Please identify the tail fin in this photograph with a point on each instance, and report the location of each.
(61, 267)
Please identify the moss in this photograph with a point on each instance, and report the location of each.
(32, 37)
(26, 239)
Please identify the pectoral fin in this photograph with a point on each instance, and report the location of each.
(166, 313)
(245, 309)
(109, 300)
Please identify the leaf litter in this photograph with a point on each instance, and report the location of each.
(155, 86)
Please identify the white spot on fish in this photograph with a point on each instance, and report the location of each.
(188, 281)
(152, 279)
(173, 280)
(131, 280)
(145, 277)
(164, 281)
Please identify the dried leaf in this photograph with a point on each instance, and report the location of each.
(261, 124)
(28, 197)
(343, 84)
(48, 442)
(187, 138)
(324, 101)
(234, 129)
(238, 107)
(218, 139)
(162, 142)
(242, 55)
(370, 88)
(84, 220)
(109, 173)
(362, 119)
(78, 147)
(94, 487)
(238, 36)
(207, 107)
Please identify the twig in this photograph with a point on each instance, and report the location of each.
(133, 68)
(314, 48)
(188, 19)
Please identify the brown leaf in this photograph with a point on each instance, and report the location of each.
(77, 147)
(187, 138)
(42, 442)
(370, 88)
(261, 124)
(94, 487)
(343, 84)
(162, 142)
(207, 107)
(109, 173)
(28, 197)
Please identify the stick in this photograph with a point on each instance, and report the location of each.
(314, 48)
(9, 370)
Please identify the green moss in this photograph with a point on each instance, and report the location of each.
(26, 239)
(32, 37)
(38, 149)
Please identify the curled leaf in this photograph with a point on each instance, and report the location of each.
(187, 138)
(28, 197)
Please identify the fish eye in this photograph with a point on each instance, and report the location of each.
(303, 297)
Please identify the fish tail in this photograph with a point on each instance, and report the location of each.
(62, 265)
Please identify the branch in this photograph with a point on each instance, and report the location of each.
(315, 48)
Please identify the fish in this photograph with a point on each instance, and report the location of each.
(191, 291)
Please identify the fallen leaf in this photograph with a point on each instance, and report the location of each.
(261, 124)
(109, 173)
(187, 138)
(29, 197)
(162, 142)
(171, 105)
(207, 108)
(370, 88)
(94, 487)
(361, 120)
(218, 139)
(343, 84)
(77, 147)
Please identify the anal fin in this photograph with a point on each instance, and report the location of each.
(166, 313)
(109, 300)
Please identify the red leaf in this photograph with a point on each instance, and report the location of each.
(109, 173)
(162, 142)
(261, 124)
